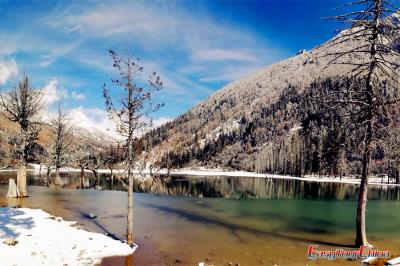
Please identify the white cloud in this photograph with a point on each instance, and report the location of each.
(91, 118)
(52, 93)
(8, 69)
(78, 96)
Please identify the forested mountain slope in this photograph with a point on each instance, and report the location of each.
(270, 121)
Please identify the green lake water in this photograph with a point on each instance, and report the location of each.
(242, 220)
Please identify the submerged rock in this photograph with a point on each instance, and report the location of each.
(203, 264)
(10, 241)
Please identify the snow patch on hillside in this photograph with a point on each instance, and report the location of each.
(225, 128)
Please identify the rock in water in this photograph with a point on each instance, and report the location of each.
(12, 189)
(10, 241)
(90, 215)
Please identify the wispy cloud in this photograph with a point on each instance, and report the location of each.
(78, 96)
(56, 51)
(173, 39)
(108, 19)
(8, 69)
(224, 55)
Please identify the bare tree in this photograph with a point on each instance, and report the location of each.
(61, 136)
(131, 111)
(368, 47)
(111, 158)
(22, 105)
(94, 160)
(45, 159)
(80, 155)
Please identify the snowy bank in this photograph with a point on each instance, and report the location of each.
(374, 181)
(47, 240)
(204, 172)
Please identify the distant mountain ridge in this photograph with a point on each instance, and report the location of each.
(94, 138)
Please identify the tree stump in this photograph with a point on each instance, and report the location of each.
(21, 181)
(12, 189)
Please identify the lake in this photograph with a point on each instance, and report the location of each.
(217, 220)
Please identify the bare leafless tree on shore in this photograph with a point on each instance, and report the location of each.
(61, 136)
(131, 111)
(369, 47)
(22, 105)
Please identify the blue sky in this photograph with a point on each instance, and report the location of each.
(196, 46)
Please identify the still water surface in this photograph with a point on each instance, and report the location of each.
(250, 221)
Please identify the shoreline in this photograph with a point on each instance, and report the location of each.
(373, 181)
(155, 235)
(37, 237)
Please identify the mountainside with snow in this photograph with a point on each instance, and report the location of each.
(84, 136)
(256, 122)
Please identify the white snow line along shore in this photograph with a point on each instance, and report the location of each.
(203, 172)
(373, 181)
(47, 240)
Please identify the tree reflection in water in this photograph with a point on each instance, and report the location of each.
(228, 187)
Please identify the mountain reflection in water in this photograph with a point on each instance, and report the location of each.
(219, 186)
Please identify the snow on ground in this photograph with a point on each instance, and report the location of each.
(373, 180)
(47, 240)
(309, 178)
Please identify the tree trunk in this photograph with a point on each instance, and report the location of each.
(82, 175)
(361, 235)
(130, 209)
(111, 179)
(12, 189)
(21, 181)
(129, 260)
(57, 178)
(131, 108)
(97, 178)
